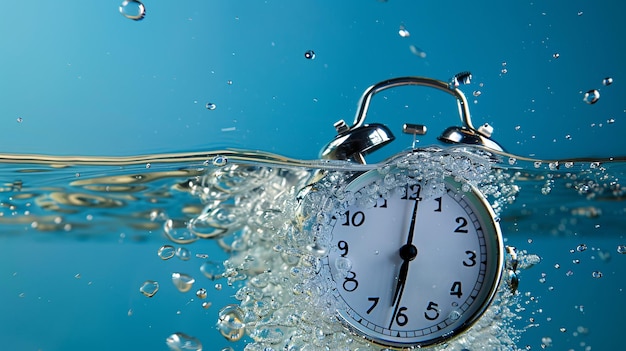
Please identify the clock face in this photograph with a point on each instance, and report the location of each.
(414, 267)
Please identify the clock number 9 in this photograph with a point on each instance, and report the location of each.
(343, 246)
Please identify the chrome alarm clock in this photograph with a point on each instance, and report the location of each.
(415, 250)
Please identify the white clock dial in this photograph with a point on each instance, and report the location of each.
(414, 270)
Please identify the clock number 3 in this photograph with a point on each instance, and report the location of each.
(471, 259)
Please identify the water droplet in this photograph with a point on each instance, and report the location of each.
(19, 119)
(212, 270)
(183, 253)
(182, 341)
(309, 55)
(581, 247)
(404, 32)
(621, 249)
(133, 9)
(556, 55)
(182, 282)
(562, 330)
(580, 13)
(576, 261)
(229, 82)
(596, 274)
(461, 78)
(177, 232)
(218, 286)
(504, 71)
(149, 288)
(417, 51)
(591, 97)
(210, 106)
(512, 160)
(607, 81)
(477, 93)
(219, 161)
(166, 252)
(206, 304)
(230, 322)
(610, 121)
(201, 293)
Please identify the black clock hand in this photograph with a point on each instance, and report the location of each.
(407, 252)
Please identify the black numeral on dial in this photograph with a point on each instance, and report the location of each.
(350, 283)
(356, 220)
(462, 224)
(432, 312)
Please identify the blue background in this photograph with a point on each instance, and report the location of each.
(86, 80)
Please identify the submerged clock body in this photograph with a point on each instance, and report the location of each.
(413, 266)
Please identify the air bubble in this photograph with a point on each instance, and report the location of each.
(596, 274)
(149, 288)
(417, 51)
(607, 81)
(556, 55)
(403, 32)
(219, 161)
(581, 247)
(182, 341)
(309, 55)
(201, 293)
(133, 9)
(477, 93)
(621, 249)
(166, 252)
(182, 282)
(591, 97)
(210, 106)
(183, 253)
(230, 322)
(19, 119)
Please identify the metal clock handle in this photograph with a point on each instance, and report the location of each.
(354, 142)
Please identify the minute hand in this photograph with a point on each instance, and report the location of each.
(407, 253)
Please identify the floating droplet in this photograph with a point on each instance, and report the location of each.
(219, 161)
(182, 282)
(206, 304)
(607, 81)
(581, 247)
(229, 82)
(417, 51)
(183, 342)
(201, 293)
(596, 274)
(309, 55)
(591, 97)
(166, 252)
(177, 232)
(133, 9)
(212, 270)
(621, 249)
(149, 288)
(230, 322)
(183, 253)
(218, 286)
(556, 55)
(477, 93)
(210, 106)
(19, 119)
(404, 32)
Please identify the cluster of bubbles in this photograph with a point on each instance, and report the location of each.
(274, 223)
